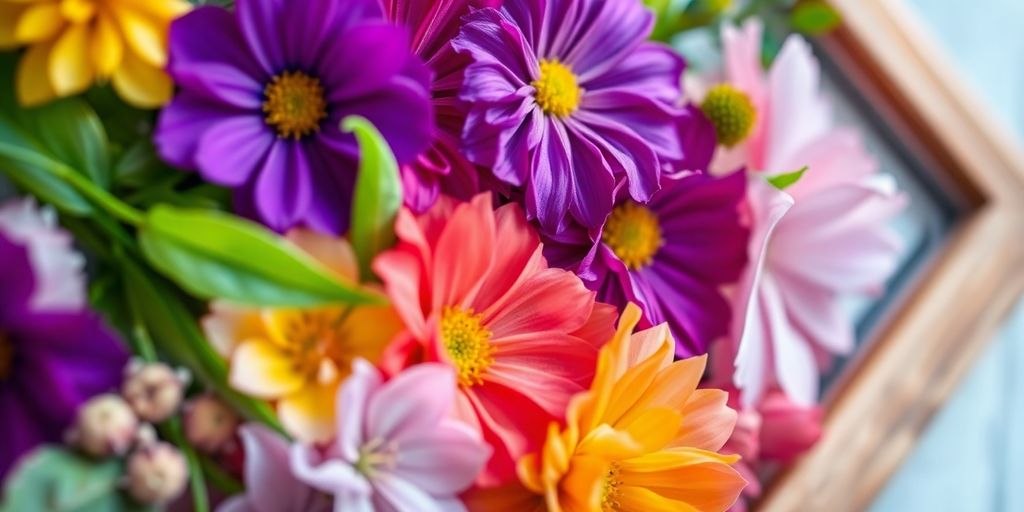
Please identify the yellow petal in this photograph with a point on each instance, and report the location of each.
(78, 11)
(106, 48)
(638, 498)
(654, 428)
(608, 443)
(141, 84)
(672, 387)
(164, 10)
(261, 369)
(40, 22)
(10, 14)
(704, 480)
(70, 69)
(308, 415)
(370, 330)
(146, 38)
(227, 325)
(582, 486)
(33, 79)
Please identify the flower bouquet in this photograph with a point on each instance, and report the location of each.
(420, 255)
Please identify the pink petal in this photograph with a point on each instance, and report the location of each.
(353, 398)
(267, 476)
(795, 365)
(798, 112)
(443, 461)
(458, 271)
(552, 300)
(412, 402)
(399, 495)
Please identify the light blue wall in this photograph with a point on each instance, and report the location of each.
(972, 456)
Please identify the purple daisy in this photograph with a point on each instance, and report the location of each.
(670, 256)
(262, 93)
(568, 102)
(51, 361)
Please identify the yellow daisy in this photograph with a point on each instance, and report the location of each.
(74, 43)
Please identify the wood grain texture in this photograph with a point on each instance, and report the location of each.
(878, 410)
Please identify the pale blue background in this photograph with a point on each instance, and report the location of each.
(971, 459)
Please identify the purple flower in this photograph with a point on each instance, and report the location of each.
(263, 90)
(569, 102)
(670, 256)
(51, 360)
(442, 168)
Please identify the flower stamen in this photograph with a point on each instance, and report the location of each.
(468, 344)
(610, 489)
(633, 234)
(558, 92)
(294, 104)
(731, 112)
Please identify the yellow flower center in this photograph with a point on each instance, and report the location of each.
(731, 112)
(558, 93)
(633, 234)
(6, 356)
(294, 104)
(314, 336)
(468, 343)
(610, 489)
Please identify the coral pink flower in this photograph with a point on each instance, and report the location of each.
(824, 238)
(398, 448)
(475, 292)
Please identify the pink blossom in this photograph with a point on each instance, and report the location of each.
(58, 268)
(398, 448)
(817, 242)
(270, 484)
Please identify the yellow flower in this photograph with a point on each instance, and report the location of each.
(642, 439)
(298, 357)
(73, 43)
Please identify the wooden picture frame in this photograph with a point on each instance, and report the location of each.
(884, 400)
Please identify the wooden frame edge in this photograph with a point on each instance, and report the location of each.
(876, 417)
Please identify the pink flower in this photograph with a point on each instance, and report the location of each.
(58, 268)
(270, 484)
(397, 448)
(823, 239)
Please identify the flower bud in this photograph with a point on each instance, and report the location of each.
(104, 426)
(156, 474)
(153, 390)
(209, 423)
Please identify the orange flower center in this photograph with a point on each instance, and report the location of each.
(468, 344)
(294, 104)
(6, 356)
(314, 336)
(610, 489)
(558, 92)
(633, 234)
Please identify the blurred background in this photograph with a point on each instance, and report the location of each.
(972, 455)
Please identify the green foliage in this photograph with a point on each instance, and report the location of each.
(786, 180)
(216, 255)
(56, 480)
(378, 195)
(814, 18)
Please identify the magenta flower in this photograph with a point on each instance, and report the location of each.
(397, 448)
(569, 102)
(53, 355)
(442, 168)
(670, 256)
(263, 90)
(269, 482)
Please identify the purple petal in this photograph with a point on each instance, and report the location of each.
(260, 22)
(283, 187)
(656, 123)
(18, 280)
(182, 124)
(19, 429)
(602, 34)
(333, 184)
(653, 70)
(401, 111)
(490, 38)
(594, 190)
(231, 150)
(548, 191)
(625, 151)
(307, 28)
(363, 60)
(209, 57)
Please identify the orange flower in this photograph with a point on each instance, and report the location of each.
(643, 438)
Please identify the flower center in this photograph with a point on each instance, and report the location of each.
(633, 234)
(610, 489)
(315, 337)
(468, 343)
(731, 112)
(6, 356)
(294, 104)
(558, 93)
(376, 455)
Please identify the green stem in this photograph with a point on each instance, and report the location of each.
(220, 478)
(200, 497)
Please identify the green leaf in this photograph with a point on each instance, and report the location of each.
(378, 195)
(56, 480)
(65, 133)
(814, 18)
(139, 166)
(786, 180)
(212, 254)
(175, 332)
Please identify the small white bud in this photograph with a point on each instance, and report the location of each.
(209, 423)
(156, 474)
(154, 390)
(104, 426)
